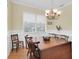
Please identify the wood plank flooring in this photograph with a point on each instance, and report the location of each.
(20, 54)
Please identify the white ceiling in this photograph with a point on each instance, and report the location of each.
(43, 4)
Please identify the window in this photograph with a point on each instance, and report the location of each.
(40, 23)
(33, 22)
(29, 22)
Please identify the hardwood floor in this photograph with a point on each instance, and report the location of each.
(22, 52)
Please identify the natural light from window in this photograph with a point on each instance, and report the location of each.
(33, 22)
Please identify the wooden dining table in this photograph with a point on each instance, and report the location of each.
(48, 44)
(53, 42)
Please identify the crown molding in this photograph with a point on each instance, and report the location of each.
(26, 4)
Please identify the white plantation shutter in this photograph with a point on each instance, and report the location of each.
(33, 22)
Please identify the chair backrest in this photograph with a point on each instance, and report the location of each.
(46, 38)
(65, 36)
(31, 46)
(14, 37)
(26, 36)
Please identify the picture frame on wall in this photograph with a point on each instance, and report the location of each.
(49, 23)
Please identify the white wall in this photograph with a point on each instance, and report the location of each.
(9, 44)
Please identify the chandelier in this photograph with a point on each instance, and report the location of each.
(52, 14)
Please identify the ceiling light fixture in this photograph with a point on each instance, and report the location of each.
(52, 14)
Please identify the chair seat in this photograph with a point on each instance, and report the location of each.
(20, 41)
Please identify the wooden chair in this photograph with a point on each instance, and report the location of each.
(26, 43)
(53, 35)
(46, 39)
(57, 36)
(33, 49)
(64, 37)
(15, 42)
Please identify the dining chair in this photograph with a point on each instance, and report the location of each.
(16, 43)
(26, 43)
(46, 38)
(33, 49)
(64, 37)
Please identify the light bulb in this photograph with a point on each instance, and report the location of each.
(46, 14)
(54, 10)
(59, 12)
(47, 11)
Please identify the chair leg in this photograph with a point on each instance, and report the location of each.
(28, 52)
(12, 47)
(23, 44)
(26, 46)
(17, 46)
